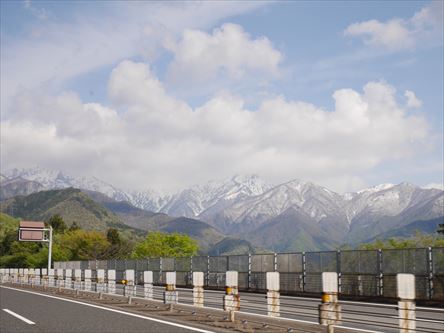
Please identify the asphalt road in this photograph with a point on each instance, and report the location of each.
(52, 315)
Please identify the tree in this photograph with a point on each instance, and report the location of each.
(113, 236)
(159, 244)
(85, 245)
(440, 229)
(74, 226)
(57, 223)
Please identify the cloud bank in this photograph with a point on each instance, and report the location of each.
(148, 138)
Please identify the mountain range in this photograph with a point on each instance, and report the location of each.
(296, 215)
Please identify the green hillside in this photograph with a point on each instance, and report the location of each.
(71, 204)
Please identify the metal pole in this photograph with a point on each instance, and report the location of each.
(50, 248)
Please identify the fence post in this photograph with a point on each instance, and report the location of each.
(231, 298)
(304, 271)
(430, 270)
(129, 286)
(78, 279)
(208, 270)
(405, 284)
(339, 270)
(100, 280)
(273, 295)
(160, 270)
(198, 290)
(148, 284)
(68, 278)
(51, 277)
(249, 270)
(275, 262)
(111, 281)
(330, 309)
(380, 273)
(87, 280)
(37, 278)
(170, 295)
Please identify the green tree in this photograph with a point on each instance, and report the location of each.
(159, 244)
(84, 245)
(74, 226)
(57, 223)
(113, 236)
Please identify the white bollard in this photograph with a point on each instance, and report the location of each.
(87, 280)
(170, 295)
(51, 277)
(2, 274)
(31, 276)
(78, 279)
(406, 304)
(198, 290)
(129, 287)
(111, 281)
(148, 284)
(21, 275)
(60, 280)
(330, 309)
(37, 276)
(25, 276)
(68, 278)
(231, 298)
(273, 295)
(45, 277)
(100, 286)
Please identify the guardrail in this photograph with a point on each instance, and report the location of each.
(327, 311)
(361, 273)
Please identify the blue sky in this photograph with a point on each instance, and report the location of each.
(345, 94)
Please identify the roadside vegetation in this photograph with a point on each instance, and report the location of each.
(74, 243)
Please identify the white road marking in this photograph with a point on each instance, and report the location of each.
(12, 313)
(107, 309)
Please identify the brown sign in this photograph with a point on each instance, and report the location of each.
(29, 230)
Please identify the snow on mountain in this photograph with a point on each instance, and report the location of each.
(52, 179)
(214, 195)
(315, 201)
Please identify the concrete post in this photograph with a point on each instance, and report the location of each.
(31, 276)
(198, 290)
(330, 309)
(2, 274)
(51, 277)
(60, 281)
(231, 298)
(148, 284)
(45, 277)
(25, 276)
(20, 275)
(170, 295)
(68, 278)
(37, 276)
(87, 280)
(77, 279)
(100, 286)
(273, 295)
(130, 286)
(111, 280)
(406, 304)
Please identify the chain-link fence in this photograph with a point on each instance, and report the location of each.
(361, 272)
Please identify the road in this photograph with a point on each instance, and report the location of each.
(43, 313)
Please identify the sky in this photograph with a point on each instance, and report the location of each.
(164, 95)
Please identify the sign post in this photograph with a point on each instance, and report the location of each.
(35, 231)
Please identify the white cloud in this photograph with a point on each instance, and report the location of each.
(229, 51)
(56, 50)
(152, 139)
(412, 100)
(400, 34)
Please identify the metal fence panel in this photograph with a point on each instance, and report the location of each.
(200, 264)
(289, 262)
(218, 264)
(238, 263)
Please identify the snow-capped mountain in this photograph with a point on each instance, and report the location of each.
(51, 179)
(249, 205)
